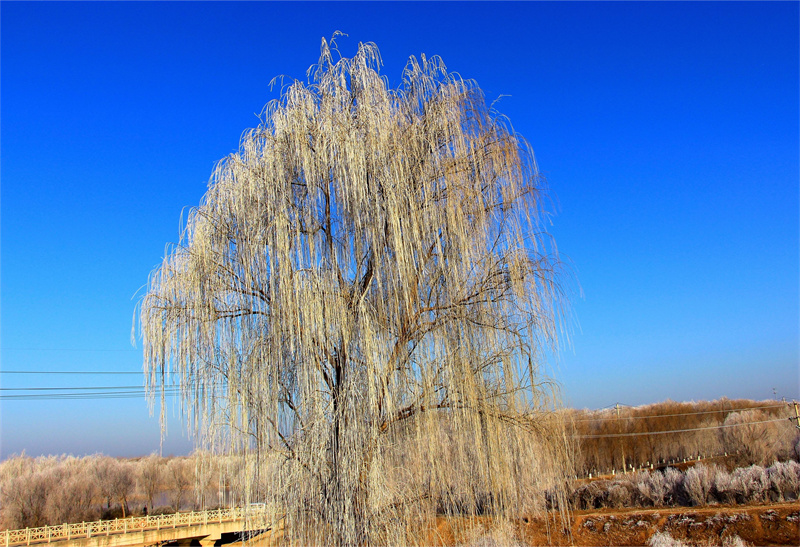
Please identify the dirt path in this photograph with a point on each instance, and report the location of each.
(773, 524)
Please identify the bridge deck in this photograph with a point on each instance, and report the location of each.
(135, 531)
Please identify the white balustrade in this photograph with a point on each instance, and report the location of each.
(48, 534)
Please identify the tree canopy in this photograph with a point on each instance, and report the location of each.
(361, 304)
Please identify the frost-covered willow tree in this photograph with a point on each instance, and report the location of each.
(360, 306)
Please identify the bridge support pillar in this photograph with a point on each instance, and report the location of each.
(209, 541)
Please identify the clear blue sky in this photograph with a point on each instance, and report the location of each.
(668, 133)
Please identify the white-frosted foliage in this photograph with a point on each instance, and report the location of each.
(663, 539)
(698, 482)
(360, 305)
(47, 490)
(784, 478)
(619, 494)
(673, 483)
(751, 482)
(652, 487)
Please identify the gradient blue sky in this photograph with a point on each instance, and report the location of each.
(668, 133)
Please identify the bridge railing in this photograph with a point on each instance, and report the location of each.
(48, 534)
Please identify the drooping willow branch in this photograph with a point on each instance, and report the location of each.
(365, 286)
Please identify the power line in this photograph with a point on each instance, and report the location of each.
(119, 394)
(77, 388)
(71, 349)
(676, 430)
(69, 372)
(77, 396)
(88, 392)
(599, 419)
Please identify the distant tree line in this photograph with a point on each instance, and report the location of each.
(750, 432)
(51, 490)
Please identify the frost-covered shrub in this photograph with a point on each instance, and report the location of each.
(673, 483)
(589, 496)
(651, 488)
(724, 487)
(701, 484)
(663, 539)
(619, 495)
(751, 483)
(698, 482)
(734, 541)
(784, 480)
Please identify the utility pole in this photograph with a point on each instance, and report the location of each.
(621, 445)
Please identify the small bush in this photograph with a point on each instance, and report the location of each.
(698, 482)
(586, 496)
(724, 487)
(619, 495)
(734, 541)
(784, 480)
(751, 483)
(673, 483)
(652, 488)
(663, 539)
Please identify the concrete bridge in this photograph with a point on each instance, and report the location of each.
(198, 527)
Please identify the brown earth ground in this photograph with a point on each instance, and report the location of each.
(773, 524)
(769, 524)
